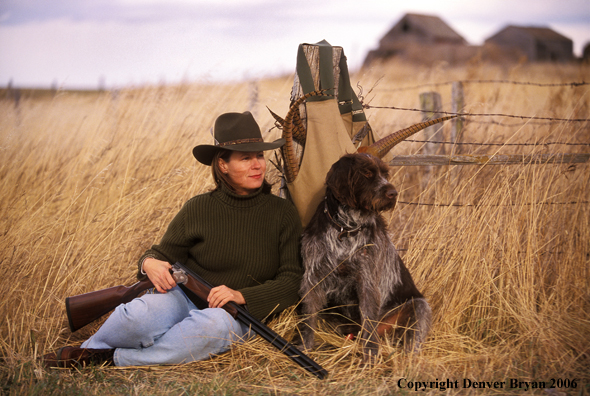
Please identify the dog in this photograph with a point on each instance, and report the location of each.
(353, 276)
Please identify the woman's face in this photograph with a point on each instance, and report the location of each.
(245, 170)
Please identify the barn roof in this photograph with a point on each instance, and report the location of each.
(429, 25)
(540, 33)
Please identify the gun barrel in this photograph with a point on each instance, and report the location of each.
(241, 314)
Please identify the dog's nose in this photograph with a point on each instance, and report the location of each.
(391, 193)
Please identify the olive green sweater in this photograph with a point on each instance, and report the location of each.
(248, 243)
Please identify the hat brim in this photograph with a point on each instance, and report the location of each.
(204, 153)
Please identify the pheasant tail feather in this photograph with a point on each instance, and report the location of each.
(383, 146)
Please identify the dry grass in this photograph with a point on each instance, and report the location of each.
(88, 182)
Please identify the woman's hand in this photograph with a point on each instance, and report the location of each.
(221, 295)
(159, 273)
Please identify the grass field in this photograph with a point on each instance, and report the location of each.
(89, 181)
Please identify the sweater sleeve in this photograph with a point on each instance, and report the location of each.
(174, 245)
(282, 291)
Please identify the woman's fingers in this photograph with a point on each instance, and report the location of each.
(221, 295)
(164, 282)
(169, 281)
(159, 273)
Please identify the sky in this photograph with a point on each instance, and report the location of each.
(116, 43)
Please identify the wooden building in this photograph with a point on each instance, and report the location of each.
(426, 39)
(420, 38)
(538, 44)
(586, 53)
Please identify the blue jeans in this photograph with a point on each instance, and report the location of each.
(166, 328)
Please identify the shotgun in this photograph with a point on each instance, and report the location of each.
(85, 308)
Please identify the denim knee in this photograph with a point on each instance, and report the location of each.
(148, 317)
(217, 321)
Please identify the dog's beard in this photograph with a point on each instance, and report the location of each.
(383, 205)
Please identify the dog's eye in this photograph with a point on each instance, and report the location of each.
(367, 173)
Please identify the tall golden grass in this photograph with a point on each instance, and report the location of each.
(89, 181)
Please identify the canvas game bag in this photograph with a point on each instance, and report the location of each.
(331, 121)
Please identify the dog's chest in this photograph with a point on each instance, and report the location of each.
(351, 265)
(349, 250)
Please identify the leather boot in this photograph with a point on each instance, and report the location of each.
(71, 356)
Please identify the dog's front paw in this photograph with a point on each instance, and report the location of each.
(308, 343)
(297, 340)
(307, 338)
(370, 356)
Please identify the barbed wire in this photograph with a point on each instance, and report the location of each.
(567, 84)
(528, 121)
(368, 106)
(496, 144)
(459, 205)
(461, 249)
(513, 125)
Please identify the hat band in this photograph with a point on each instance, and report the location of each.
(241, 141)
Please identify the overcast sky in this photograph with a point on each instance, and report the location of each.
(78, 43)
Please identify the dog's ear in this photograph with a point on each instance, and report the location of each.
(341, 178)
(337, 176)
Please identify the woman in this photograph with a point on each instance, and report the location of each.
(239, 236)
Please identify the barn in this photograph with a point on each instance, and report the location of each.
(417, 37)
(419, 29)
(536, 43)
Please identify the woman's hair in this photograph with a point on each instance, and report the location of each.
(221, 178)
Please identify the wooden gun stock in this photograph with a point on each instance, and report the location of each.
(86, 308)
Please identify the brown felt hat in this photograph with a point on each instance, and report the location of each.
(237, 132)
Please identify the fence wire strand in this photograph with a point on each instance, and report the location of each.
(568, 84)
(548, 120)
(459, 205)
(496, 144)
(368, 106)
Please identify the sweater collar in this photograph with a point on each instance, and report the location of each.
(229, 197)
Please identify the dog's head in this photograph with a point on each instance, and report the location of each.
(360, 181)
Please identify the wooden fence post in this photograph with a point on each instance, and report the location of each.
(430, 104)
(458, 104)
(253, 97)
